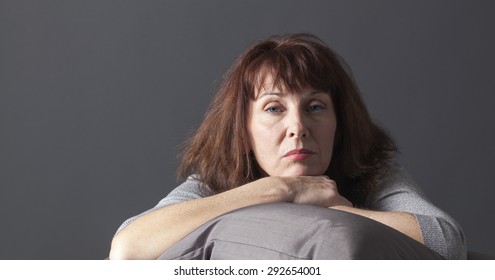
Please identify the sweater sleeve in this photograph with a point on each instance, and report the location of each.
(441, 233)
(189, 190)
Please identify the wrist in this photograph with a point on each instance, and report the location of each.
(271, 189)
(286, 192)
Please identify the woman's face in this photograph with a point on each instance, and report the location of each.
(291, 133)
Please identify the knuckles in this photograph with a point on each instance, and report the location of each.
(317, 190)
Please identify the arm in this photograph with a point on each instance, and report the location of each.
(400, 221)
(400, 193)
(153, 233)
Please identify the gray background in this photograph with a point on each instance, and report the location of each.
(96, 97)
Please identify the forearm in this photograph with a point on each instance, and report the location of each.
(153, 233)
(400, 221)
(150, 235)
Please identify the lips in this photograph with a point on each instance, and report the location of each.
(299, 154)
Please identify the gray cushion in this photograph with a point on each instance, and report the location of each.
(295, 231)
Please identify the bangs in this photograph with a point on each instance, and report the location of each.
(292, 69)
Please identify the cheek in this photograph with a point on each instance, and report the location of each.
(331, 134)
(263, 138)
(326, 139)
(265, 144)
(263, 132)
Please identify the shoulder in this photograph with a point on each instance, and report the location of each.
(396, 189)
(399, 192)
(191, 189)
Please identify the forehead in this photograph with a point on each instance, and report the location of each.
(266, 83)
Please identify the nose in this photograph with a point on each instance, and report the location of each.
(296, 127)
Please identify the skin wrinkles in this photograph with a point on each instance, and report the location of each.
(281, 122)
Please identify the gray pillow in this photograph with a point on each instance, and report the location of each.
(294, 231)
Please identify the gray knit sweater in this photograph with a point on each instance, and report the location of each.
(398, 192)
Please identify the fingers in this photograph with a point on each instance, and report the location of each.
(316, 190)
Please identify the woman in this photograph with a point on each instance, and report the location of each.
(288, 125)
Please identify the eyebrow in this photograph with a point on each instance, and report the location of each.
(279, 93)
(268, 93)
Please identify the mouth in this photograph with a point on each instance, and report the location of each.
(299, 154)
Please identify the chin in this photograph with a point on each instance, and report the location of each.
(303, 171)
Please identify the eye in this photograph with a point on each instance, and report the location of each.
(316, 107)
(273, 109)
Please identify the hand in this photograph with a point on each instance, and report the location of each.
(315, 190)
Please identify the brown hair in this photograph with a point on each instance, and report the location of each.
(219, 151)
